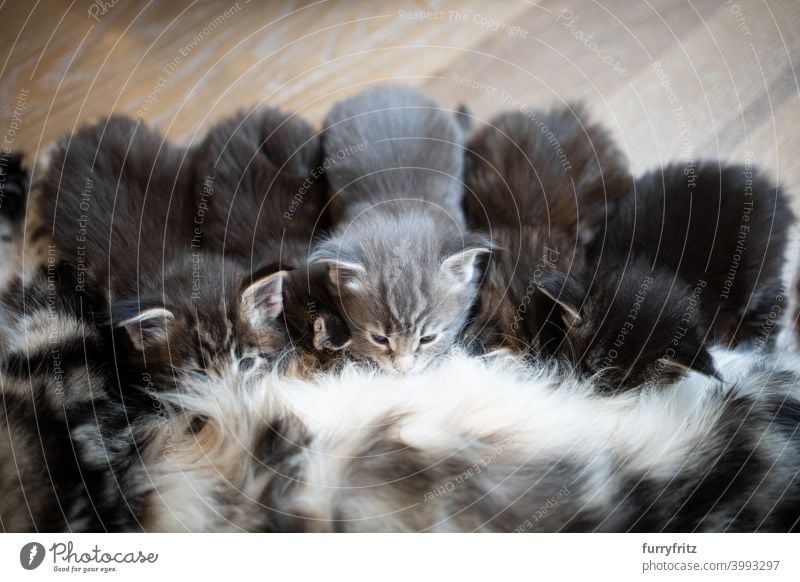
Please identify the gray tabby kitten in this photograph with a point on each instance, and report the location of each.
(401, 263)
(478, 444)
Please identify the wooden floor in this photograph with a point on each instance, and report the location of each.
(673, 79)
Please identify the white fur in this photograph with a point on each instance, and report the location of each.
(544, 414)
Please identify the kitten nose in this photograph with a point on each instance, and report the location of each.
(404, 363)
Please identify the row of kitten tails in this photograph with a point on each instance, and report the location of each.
(189, 248)
(626, 279)
(496, 446)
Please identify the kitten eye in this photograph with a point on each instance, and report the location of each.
(246, 363)
(426, 339)
(380, 339)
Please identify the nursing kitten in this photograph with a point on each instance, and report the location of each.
(114, 196)
(481, 444)
(557, 171)
(258, 188)
(537, 183)
(691, 257)
(259, 194)
(629, 325)
(514, 312)
(721, 227)
(402, 266)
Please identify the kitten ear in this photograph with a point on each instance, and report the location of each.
(330, 333)
(149, 328)
(460, 268)
(344, 273)
(566, 293)
(701, 362)
(262, 300)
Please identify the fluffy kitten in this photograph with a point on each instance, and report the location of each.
(401, 264)
(629, 325)
(480, 445)
(59, 375)
(690, 257)
(114, 196)
(258, 188)
(724, 227)
(557, 171)
(259, 194)
(514, 311)
(538, 183)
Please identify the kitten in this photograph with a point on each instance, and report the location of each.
(722, 227)
(629, 325)
(114, 196)
(259, 194)
(481, 445)
(538, 184)
(402, 266)
(690, 257)
(514, 312)
(258, 188)
(557, 171)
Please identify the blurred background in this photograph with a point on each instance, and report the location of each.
(673, 80)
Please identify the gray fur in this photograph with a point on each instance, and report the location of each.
(393, 142)
(400, 261)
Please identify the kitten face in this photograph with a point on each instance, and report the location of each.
(226, 324)
(405, 329)
(405, 299)
(634, 325)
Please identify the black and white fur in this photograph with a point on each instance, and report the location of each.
(481, 444)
